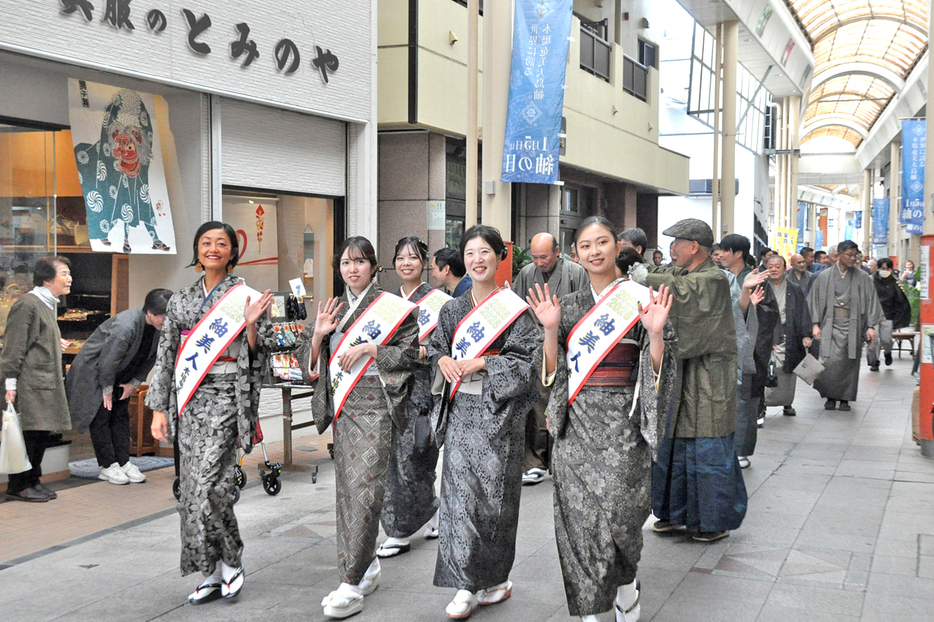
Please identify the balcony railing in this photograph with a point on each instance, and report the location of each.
(635, 78)
(595, 52)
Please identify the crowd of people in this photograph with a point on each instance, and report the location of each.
(639, 387)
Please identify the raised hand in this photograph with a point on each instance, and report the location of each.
(253, 311)
(757, 295)
(655, 314)
(754, 278)
(326, 320)
(545, 306)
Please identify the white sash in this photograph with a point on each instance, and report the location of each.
(484, 324)
(375, 325)
(429, 309)
(601, 329)
(213, 334)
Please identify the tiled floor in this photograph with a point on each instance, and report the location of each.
(839, 528)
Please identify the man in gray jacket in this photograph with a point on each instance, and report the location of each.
(116, 358)
(563, 277)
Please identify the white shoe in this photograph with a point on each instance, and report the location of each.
(533, 476)
(462, 606)
(113, 474)
(343, 602)
(133, 473)
(743, 462)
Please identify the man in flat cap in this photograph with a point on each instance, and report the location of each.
(696, 482)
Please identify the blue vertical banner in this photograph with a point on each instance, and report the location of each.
(913, 152)
(880, 221)
(859, 219)
(536, 90)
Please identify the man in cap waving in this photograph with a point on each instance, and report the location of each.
(696, 481)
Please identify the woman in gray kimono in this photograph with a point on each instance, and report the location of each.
(484, 439)
(410, 499)
(374, 411)
(222, 411)
(606, 438)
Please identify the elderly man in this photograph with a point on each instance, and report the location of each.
(696, 481)
(844, 309)
(792, 334)
(799, 275)
(563, 277)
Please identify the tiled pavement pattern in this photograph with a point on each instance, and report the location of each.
(840, 528)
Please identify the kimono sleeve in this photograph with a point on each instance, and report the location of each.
(557, 409)
(163, 376)
(510, 374)
(397, 360)
(657, 395)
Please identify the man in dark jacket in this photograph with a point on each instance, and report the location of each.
(895, 307)
(116, 358)
(792, 335)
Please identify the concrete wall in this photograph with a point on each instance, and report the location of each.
(411, 173)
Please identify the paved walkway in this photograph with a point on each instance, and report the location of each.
(839, 528)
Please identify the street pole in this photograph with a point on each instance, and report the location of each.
(473, 129)
(497, 61)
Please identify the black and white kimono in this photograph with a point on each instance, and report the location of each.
(484, 443)
(602, 465)
(410, 499)
(222, 411)
(375, 411)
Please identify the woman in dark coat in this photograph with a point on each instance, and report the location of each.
(895, 307)
(31, 366)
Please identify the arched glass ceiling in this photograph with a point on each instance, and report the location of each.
(888, 34)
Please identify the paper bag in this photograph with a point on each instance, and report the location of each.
(809, 369)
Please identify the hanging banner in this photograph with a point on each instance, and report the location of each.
(785, 242)
(536, 91)
(119, 157)
(880, 221)
(913, 153)
(859, 219)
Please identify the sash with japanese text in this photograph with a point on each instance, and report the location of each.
(484, 324)
(601, 329)
(536, 91)
(429, 309)
(375, 325)
(213, 334)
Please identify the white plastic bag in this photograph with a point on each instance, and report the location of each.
(13, 457)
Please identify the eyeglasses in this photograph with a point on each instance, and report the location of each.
(851, 255)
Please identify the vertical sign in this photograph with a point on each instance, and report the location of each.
(785, 241)
(880, 221)
(536, 91)
(913, 153)
(859, 219)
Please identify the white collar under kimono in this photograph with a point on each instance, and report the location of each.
(44, 294)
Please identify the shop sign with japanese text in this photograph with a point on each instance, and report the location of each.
(536, 90)
(913, 151)
(306, 56)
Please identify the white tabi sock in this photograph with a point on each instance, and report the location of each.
(626, 595)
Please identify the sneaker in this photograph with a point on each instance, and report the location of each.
(743, 462)
(533, 476)
(888, 359)
(133, 473)
(113, 474)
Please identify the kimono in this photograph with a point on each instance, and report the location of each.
(221, 414)
(845, 306)
(696, 480)
(375, 411)
(484, 442)
(602, 465)
(410, 499)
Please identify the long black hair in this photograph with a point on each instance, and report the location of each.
(488, 234)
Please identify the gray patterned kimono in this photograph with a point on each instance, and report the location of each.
(484, 444)
(222, 410)
(374, 412)
(410, 499)
(602, 465)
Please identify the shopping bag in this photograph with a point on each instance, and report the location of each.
(13, 457)
(809, 369)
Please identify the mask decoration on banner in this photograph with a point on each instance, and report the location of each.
(121, 174)
(536, 91)
(913, 153)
